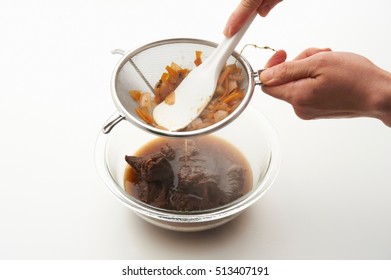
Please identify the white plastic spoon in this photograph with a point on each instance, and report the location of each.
(196, 90)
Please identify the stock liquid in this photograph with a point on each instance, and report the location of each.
(217, 160)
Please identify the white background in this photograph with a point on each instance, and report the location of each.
(331, 199)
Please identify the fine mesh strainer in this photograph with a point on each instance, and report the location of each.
(142, 68)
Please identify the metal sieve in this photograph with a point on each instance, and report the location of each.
(142, 68)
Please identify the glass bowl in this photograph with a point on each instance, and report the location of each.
(251, 133)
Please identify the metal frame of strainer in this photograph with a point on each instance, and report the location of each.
(124, 114)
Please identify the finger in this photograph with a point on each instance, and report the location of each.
(280, 92)
(310, 52)
(240, 15)
(287, 72)
(277, 58)
(266, 7)
(293, 92)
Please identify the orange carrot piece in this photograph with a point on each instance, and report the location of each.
(135, 94)
(145, 115)
(234, 95)
(224, 75)
(165, 77)
(198, 59)
(173, 73)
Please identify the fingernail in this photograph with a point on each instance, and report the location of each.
(266, 75)
(227, 31)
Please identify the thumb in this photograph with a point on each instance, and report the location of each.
(239, 16)
(287, 72)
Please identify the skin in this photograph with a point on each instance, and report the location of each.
(243, 12)
(320, 83)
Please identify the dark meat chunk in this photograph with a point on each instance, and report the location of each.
(155, 167)
(235, 175)
(197, 189)
(156, 176)
(194, 179)
(168, 152)
(211, 197)
(153, 193)
(197, 183)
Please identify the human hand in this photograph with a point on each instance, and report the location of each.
(320, 83)
(243, 12)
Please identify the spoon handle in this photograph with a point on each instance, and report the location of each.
(227, 46)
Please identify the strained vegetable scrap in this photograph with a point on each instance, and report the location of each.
(227, 97)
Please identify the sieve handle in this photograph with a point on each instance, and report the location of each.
(111, 122)
(256, 76)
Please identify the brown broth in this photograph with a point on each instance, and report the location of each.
(215, 155)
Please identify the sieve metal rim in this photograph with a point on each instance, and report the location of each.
(125, 114)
